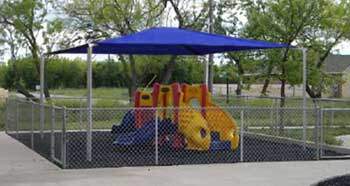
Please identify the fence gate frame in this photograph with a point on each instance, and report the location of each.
(323, 146)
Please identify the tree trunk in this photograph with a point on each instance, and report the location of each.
(46, 87)
(267, 80)
(240, 74)
(312, 93)
(283, 92)
(239, 88)
(168, 70)
(19, 88)
(265, 86)
(126, 77)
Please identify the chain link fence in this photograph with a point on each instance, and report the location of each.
(39, 127)
(269, 101)
(175, 136)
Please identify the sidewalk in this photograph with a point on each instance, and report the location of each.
(20, 166)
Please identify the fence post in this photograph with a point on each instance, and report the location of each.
(42, 120)
(52, 143)
(272, 124)
(332, 117)
(17, 119)
(321, 133)
(317, 138)
(277, 123)
(63, 139)
(156, 136)
(6, 115)
(80, 114)
(32, 126)
(242, 136)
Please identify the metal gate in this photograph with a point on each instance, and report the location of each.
(335, 133)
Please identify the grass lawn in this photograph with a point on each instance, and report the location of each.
(329, 134)
(102, 97)
(118, 93)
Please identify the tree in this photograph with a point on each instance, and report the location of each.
(112, 17)
(298, 21)
(333, 27)
(193, 17)
(25, 21)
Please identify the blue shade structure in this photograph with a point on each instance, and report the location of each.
(172, 41)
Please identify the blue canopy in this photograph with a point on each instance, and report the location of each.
(172, 41)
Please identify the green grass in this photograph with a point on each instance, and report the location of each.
(329, 134)
(102, 97)
(118, 93)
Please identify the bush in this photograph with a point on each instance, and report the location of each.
(67, 73)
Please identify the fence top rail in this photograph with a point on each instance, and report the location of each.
(335, 109)
(191, 107)
(286, 98)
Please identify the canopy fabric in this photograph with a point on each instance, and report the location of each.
(172, 41)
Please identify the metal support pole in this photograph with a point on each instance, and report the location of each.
(206, 72)
(53, 126)
(42, 84)
(42, 78)
(156, 137)
(211, 56)
(227, 91)
(304, 50)
(242, 136)
(32, 126)
(89, 103)
(63, 139)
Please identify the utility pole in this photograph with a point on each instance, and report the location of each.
(211, 56)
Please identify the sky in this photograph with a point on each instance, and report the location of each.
(342, 49)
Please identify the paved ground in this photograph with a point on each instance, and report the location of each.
(21, 166)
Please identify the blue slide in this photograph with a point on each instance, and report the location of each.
(127, 134)
(138, 136)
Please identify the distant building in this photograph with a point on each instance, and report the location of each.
(339, 65)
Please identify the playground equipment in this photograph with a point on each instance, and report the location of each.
(182, 126)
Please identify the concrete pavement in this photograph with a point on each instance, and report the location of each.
(21, 166)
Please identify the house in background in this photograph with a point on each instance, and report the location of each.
(335, 65)
(339, 65)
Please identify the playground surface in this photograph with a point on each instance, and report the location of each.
(21, 166)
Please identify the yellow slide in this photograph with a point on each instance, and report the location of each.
(222, 122)
(197, 129)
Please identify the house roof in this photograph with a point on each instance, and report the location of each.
(336, 63)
